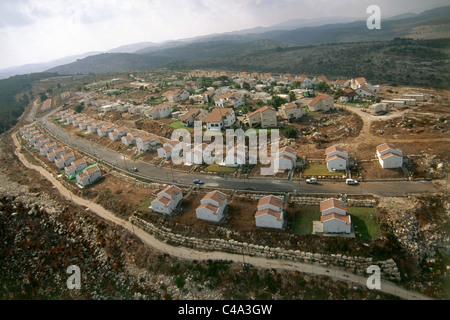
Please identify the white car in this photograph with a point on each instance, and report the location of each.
(351, 181)
(311, 181)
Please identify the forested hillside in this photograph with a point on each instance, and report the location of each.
(15, 96)
(396, 62)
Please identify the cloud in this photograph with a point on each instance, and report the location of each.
(43, 30)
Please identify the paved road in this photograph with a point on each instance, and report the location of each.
(191, 254)
(166, 175)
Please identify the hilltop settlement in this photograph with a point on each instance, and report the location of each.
(357, 163)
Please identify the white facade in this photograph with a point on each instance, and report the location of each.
(335, 224)
(212, 206)
(270, 219)
(167, 200)
(391, 161)
(337, 163)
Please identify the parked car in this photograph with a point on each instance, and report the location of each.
(311, 181)
(351, 181)
(197, 181)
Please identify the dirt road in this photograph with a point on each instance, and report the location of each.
(190, 254)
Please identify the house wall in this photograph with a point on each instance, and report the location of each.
(337, 164)
(214, 126)
(336, 226)
(268, 221)
(159, 207)
(285, 164)
(391, 162)
(205, 214)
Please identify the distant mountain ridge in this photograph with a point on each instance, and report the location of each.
(429, 24)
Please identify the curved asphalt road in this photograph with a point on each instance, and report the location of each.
(165, 175)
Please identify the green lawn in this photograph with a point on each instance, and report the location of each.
(304, 217)
(144, 206)
(216, 168)
(99, 83)
(365, 222)
(179, 125)
(320, 170)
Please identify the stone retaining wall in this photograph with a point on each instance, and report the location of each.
(357, 265)
(312, 200)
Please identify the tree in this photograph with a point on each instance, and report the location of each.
(322, 87)
(290, 132)
(42, 96)
(79, 107)
(246, 85)
(278, 101)
(292, 96)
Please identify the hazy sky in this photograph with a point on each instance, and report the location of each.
(34, 31)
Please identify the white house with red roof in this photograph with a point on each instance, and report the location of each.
(212, 206)
(365, 92)
(176, 95)
(75, 167)
(48, 148)
(167, 200)
(389, 156)
(160, 111)
(65, 160)
(336, 158)
(55, 154)
(270, 213)
(220, 118)
(265, 117)
(228, 100)
(145, 142)
(323, 102)
(335, 218)
(89, 176)
(291, 111)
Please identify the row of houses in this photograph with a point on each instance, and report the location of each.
(388, 155)
(63, 160)
(269, 213)
(143, 141)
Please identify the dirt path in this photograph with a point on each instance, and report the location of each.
(190, 254)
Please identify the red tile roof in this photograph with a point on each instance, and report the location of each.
(328, 217)
(333, 203)
(276, 214)
(320, 97)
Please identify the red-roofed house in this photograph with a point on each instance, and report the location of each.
(333, 205)
(323, 102)
(89, 176)
(75, 167)
(335, 223)
(291, 110)
(270, 213)
(336, 158)
(212, 206)
(220, 118)
(335, 218)
(167, 200)
(347, 95)
(364, 92)
(265, 117)
(389, 156)
(176, 95)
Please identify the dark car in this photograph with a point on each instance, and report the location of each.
(197, 181)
